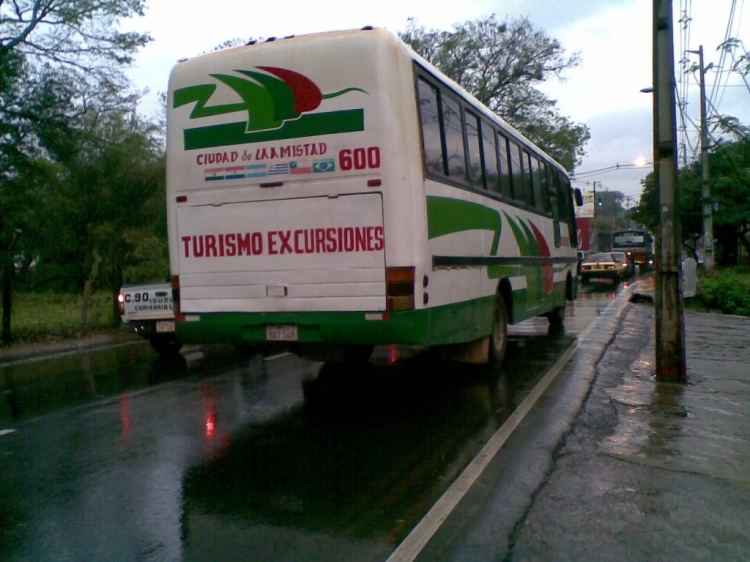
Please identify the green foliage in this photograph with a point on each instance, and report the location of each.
(77, 169)
(727, 291)
(729, 184)
(47, 316)
(103, 202)
(148, 261)
(502, 64)
(76, 33)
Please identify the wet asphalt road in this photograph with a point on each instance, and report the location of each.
(115, 454)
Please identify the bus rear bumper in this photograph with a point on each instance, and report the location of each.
(305, 328)
(456, 323)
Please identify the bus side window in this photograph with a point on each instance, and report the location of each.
(569, 212)
(554, 200)
(516, 171)
(474, 151)
(544, 173)
(432, 144)
(454, 139)
(506, 185)
(528, 173)
(491, 172)
(537, 170)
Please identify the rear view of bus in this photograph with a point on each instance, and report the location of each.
(637, 244)
(333, 192)
(288, 209)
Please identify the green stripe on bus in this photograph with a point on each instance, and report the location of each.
(311, 125)
(454, 323)
(446, 215)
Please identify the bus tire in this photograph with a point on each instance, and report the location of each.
(246, 349)
(499, 337)
(358, 353)
(556, 317)
(165, 345)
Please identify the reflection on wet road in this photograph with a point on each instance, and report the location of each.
(217, 455)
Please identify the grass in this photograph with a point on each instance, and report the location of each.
(727, 291)
(54, 316)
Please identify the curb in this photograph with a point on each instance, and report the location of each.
(36, 351)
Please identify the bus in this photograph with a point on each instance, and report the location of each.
(332, 192)
(638, 245)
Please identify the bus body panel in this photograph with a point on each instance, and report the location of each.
(308, 254)
(302, 153)
(490, 229)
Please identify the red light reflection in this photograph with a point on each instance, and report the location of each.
(392, 354)
(125, 418)
(209, 411)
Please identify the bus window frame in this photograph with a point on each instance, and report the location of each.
(428, 169)
(514, 189)
(482, 179)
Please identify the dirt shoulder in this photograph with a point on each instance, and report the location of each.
(28, 350)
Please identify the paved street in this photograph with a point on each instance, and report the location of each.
(647, 470)
(609, 464)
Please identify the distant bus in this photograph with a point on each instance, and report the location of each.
(637, 244)
(332, 203)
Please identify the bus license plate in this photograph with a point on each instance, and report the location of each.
(281, 333)
(164, 326)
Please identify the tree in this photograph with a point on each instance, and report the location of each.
(502, 64)
(729, 165)
(58, 60)
(105, 212)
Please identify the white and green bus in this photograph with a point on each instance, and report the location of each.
(335, 191)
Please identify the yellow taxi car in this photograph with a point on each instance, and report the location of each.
(605, 265)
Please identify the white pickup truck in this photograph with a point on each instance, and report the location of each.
(148, 308)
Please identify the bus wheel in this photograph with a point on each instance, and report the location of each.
(499, 338)
(556, 317)
(358, 353)
(165, 345)
(246, 349)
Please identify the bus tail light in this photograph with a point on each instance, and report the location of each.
(175, 281)
(399, 288)
(121, 304)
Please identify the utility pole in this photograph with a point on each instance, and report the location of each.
(595, 201)
(614, 217)
(595, 228)
(708, 228)
(670, 328)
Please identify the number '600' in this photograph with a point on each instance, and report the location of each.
(359, 158)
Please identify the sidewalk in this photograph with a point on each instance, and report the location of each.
(652, 470)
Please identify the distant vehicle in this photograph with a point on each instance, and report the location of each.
(625, 261)
(148, 309)
(331, 204)
(605, 265)
(638, 245)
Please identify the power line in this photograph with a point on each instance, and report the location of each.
(727, 65)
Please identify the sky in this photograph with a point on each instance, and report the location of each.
(612, 37)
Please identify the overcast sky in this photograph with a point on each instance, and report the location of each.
(613, 38)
